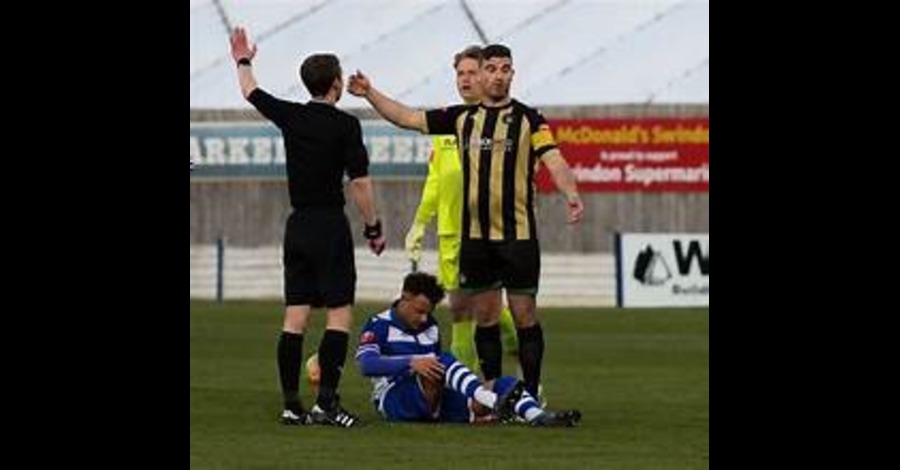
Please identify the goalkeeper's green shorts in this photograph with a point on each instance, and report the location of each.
(448, 261)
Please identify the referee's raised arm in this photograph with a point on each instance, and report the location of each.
(243, 53)
(322, 144)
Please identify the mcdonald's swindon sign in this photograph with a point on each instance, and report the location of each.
(633, 154)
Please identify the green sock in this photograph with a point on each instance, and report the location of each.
(463, 344)
(508, 332)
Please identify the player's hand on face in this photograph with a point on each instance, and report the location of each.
(428, 367)
(358, 84)
(240, 45)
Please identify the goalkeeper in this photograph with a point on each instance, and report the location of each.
(443, 196)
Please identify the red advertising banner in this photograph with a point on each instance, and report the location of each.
(633, 154)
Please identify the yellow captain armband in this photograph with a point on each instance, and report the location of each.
(542, 137)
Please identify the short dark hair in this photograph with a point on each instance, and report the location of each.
(496, 50)
(471, 52)
(318, 72)
(420, 283)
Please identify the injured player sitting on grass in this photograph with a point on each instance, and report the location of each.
(413, 380)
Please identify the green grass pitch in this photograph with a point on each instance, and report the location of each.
(640, 378)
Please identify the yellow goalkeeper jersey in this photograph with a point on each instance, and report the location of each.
(443, 191)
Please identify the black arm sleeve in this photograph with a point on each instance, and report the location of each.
(443, 121)
(356, 158)
(272, 108)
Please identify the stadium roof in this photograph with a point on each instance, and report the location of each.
(565, 52)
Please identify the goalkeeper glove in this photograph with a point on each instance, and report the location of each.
(414, 241)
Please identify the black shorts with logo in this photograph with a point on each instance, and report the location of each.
(319, 267)
(513, 265)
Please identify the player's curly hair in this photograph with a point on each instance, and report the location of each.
(420, 283)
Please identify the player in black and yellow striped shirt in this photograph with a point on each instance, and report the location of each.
(501, 147)
(501, 141)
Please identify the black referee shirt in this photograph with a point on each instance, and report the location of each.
(321, 144)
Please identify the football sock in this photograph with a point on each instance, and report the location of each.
(508, 332)
(460, 378)
(531, 353)
(332, 353)
(463, 343)
(490, 350)
(290, 360)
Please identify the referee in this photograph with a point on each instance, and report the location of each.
(322, 143)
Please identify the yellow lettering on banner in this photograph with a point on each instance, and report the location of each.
(622, 135)
(680, 134)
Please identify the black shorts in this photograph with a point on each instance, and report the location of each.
(514, 265)
(319, 268)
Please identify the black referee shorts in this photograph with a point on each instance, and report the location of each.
(513, 265)
(319, 267)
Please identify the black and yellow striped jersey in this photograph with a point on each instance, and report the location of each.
(500, 148)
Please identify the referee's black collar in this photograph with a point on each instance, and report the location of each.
(318, 101)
